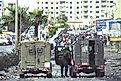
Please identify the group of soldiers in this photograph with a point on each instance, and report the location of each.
(66, 41)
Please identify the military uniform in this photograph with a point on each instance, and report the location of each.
(65, 61)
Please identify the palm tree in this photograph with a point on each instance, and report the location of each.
(38, 18)
(9, 20)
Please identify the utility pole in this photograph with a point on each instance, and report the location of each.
(16, 27)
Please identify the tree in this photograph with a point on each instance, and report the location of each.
(62, 20)
(9, 20)
(38, 18)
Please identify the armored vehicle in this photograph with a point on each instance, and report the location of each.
(35, 59)
(88, 57)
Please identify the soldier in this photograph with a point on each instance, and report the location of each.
(66, 59)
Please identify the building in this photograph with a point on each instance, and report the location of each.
(117, 9)
(77, 10)
(83, 11)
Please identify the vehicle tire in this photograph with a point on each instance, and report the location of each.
(49, 75)
(10, 43)
(98, 73)
(22, 76)
(72, 73)
(4, 43)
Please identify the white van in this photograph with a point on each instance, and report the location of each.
(3, 40)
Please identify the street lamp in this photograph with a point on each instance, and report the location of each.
(16, 26)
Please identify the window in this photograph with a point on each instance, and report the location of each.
(90, 6)
(111, 1)
(97, 6)
(70, 2)
(70, 16)
(90, 11)
(97, 11)
(52, 17)
(51, 2)
(45, 12)
(70, 7)
(56, 2)
(51, 7)
(97, 16)
(102, 15)
(46, 7)
(70, 12)
(37, 2)
(51, 12)
(56, 12)
(97, 1)
(77, 12)
(46, 2)
(91, 17)
(111, 6)
(42, 2)
(77, 7)
(56, 7)
(77, 2)
(62, 2)
(90, 1)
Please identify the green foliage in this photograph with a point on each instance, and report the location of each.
(35, 17)
(53, 31)
(9, 19)
(62, 20)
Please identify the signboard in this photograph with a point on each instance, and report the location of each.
(115, 39)
(101, 24)
(115, 28)
(115, 25)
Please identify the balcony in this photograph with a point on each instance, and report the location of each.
(103, 6)
(85, 6)
(85, 16)
(85, 11)
(103, 1)
(85, 1)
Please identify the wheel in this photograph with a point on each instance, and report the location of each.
(22, 76)
(72, 73)
(4, 43)
(49, 75)
(10, 43)
(98, 73)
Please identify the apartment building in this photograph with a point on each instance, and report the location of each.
(81, 12)
(78, 11)
(117, 9)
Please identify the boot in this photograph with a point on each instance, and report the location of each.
(66, 71)
(62, 71)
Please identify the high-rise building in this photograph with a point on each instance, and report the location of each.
(117, 9)
(83, 11)
(77, 10)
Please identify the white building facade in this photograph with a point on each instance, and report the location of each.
(82, 12)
